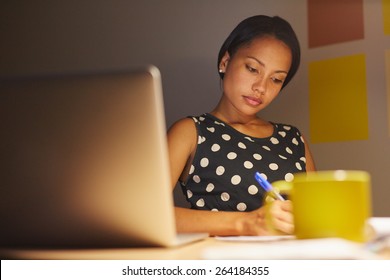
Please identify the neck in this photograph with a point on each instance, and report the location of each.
(232, 116)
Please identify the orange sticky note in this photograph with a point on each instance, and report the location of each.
(338, 99)
(386, 16)
(334, 21)
(387, 59)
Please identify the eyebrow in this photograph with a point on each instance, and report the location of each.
(262, 64)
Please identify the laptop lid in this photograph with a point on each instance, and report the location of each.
(84, 161)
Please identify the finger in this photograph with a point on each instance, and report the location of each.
(282, 217)
(283, 226)
(287, 205)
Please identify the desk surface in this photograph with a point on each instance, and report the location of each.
(209, 248)
(223, 248)
(190, 251)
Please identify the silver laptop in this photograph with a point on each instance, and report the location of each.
(84, 162)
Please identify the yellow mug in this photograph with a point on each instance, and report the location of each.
(330, 204)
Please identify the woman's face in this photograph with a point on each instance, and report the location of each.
(254, 75)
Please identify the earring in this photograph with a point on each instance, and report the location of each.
(221, 71)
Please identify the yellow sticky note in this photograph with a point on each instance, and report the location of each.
(338, 99)
(386, 16)
(387, 59)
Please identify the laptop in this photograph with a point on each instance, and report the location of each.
(84, 162)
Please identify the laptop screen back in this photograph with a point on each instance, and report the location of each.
(84, 161)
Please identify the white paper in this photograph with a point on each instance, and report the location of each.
(245, 238)
(287, 247)
(381, 225)
(322, 248)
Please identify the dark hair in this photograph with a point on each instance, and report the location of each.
(261, 26)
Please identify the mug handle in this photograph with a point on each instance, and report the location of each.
(282, 187)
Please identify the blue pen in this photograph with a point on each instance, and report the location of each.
(267, 186)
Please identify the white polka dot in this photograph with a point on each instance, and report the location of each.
(192, 169)
(273, 166)
(241, 206)
(204, 162)
(219, 123)
(298, 165)
(201, 139)
(200, 202)
(287, 127)
(282, 133)
(289, 177)
(211, 129)
(303, 159)
(288, 150)
(282, 157)
(242, 145)
(215, 148)
(201, 119)
(274, 141)
(248, 165)
(214, 210)
(266, 148)
(220, 170)
(249, 139)
(196, 179)
(225, 196)
(295, 141)
(236, 179)
(264, 176)
(257, 156)
(253, 190)
(210, 187)
(231, 155)
(189, 193)
(226, 137)
(302, 139)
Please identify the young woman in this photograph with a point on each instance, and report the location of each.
(215, 156)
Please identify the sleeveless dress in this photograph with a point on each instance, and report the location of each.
(221, 177)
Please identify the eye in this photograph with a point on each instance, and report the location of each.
(251, 69)
(277, 81)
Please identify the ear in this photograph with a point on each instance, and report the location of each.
(224, 62)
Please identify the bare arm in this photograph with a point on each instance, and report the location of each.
(182, 141)
(310, 165)
(238, 223)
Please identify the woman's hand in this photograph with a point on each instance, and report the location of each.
(274, 218)
(279, 217)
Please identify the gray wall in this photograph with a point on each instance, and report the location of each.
(182, 38)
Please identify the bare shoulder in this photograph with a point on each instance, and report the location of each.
(183, 128)
(183, 135)
(182, 140)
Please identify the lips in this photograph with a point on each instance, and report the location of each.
(253, 101)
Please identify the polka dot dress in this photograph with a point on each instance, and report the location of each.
(221, 177)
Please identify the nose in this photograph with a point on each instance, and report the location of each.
(260, 85)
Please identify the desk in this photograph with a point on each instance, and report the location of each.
(219, 248)
(192, 251)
